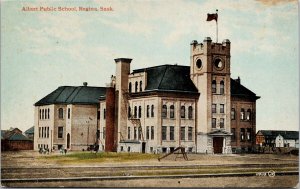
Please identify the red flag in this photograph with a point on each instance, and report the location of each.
(211, 17)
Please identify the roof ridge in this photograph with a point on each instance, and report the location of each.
(163, 76)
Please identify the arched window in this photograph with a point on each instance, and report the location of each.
(190, 112)
(43, 114)
(48, 113)
(60, 113)
(129, 112)
(40, 114)
(172, 111)
(164, 111)
(141, 86)
(148, 110)
(135, 112)
(242, 114)
(248, 116)
(214, 86)
(152, 110)
(136, 86)
(232, 113)
(182, 112)
(140, 111)
(130, 87)
(222, 87)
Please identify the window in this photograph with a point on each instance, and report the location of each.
(152, 110)
(171, 132)
(69, 111)
(141, 86)
(135, 112)
(222, 87)
(148, 110)
(128, 133)
(242, 114)
(213, 123)
(164, 111)
(164, 133)
(172, 111)
(190, 112)
(248, 116)
(182, 112)
(47, 132)
(182, 133)
(134, 134)
(40, 132)
(152, 132)
(48, 113)
(140, 111)
(232, 114)
(98, 114)
(233, 136)
(140, 133)
(190, 133)
(213, 86)
(248, 134)
(104, 113)
(147, 132)
(221, 108)
(130, 87)
(43, 114)
(242, 134)
(104, 132)
(40, 114)
(60, 132)
(222, 123)
(60, 113)
(129, 112)
(136, 86)
(214, 108)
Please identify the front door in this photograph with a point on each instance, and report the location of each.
(218, 145)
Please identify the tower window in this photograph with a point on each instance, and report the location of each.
(232, 113)
(218, 63)
(136, 86)
(172, 111)
(190, 112)
(199, 63)
(60, 113)
(148, 110)
(222, 87)
(182, 112)
(152, 110)
(164, 111)
(214, 86)
(140, 111)
(130, 87)
(141, 86)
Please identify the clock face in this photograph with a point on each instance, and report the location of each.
(199, 63)
(218, 64)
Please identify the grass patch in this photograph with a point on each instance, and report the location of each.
(86, 157)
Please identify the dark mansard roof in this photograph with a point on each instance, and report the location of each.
(238, 90)
(168, 78)
(73, 95)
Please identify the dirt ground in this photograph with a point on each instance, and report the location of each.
(11, 161)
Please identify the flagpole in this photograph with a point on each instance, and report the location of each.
(217, 25)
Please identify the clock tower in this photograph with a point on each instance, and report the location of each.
(210, 72)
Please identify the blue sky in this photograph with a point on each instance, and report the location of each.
(43, 50)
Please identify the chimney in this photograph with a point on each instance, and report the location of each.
(238, 80)
(85, 84)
